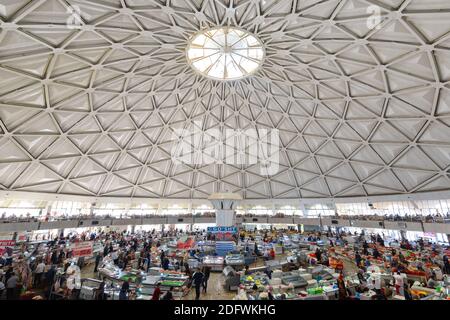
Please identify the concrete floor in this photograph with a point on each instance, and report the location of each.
(215, 290)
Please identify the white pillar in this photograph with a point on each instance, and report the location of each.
(225, 218)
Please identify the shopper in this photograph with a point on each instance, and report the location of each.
(115, 257)
(161, 257)
(165, 263)
(376, 253)
(157, 292)
(365, 247)
(11, 286)
(361, 277)
(272, 254)
(168, 295)
(187, 270)
(123, 294)
(266, 255)
(2, 288)
(270, 294)
(268, 272)
(380, 295)
(342, 291)
(54, 258)
(101, 291)
(399, 283)
(358, 259)
(197, 280)
(446, 268)
(374, 281)
(206, 275)
(98, 258)
(407, 292)
(318, 254)
(105, 251)
(38, 273)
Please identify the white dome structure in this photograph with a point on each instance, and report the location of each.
(95, 96)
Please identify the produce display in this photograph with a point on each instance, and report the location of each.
(336, 263)
(172, 283)
(314, 291)
(130, 276)
(258, 279)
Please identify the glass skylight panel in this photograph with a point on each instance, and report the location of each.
(225, 53)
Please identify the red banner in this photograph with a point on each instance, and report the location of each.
(6, 244)
(82, 249)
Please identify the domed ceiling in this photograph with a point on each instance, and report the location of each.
(93, 95)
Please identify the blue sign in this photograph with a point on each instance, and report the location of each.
(222, 229)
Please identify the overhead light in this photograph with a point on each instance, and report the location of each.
(225, 53)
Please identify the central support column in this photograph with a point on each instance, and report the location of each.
(225, 232)
(225, 205)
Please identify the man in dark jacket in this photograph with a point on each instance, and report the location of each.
(358, 259)
(54, 257)
(165, 263)
(98, 258)
(206, 274)
(168, 295)
(197, 280)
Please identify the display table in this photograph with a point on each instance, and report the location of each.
(276, 264)
(216, 263)
(235, 260)
(259, 279)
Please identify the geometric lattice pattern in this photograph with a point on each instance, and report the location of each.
(361, 110)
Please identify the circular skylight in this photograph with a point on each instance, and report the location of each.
(225, 53)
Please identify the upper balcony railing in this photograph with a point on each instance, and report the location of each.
(211, 214)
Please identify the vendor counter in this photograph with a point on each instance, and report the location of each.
(144, 283)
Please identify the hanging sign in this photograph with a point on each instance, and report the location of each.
(82, 249)
(5, 245)
(222, 229)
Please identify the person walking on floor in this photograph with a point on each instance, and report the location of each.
(38, 272)
(11, 287)
(197, 280)
(123, 294)
(98, 258)
(206, 274)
